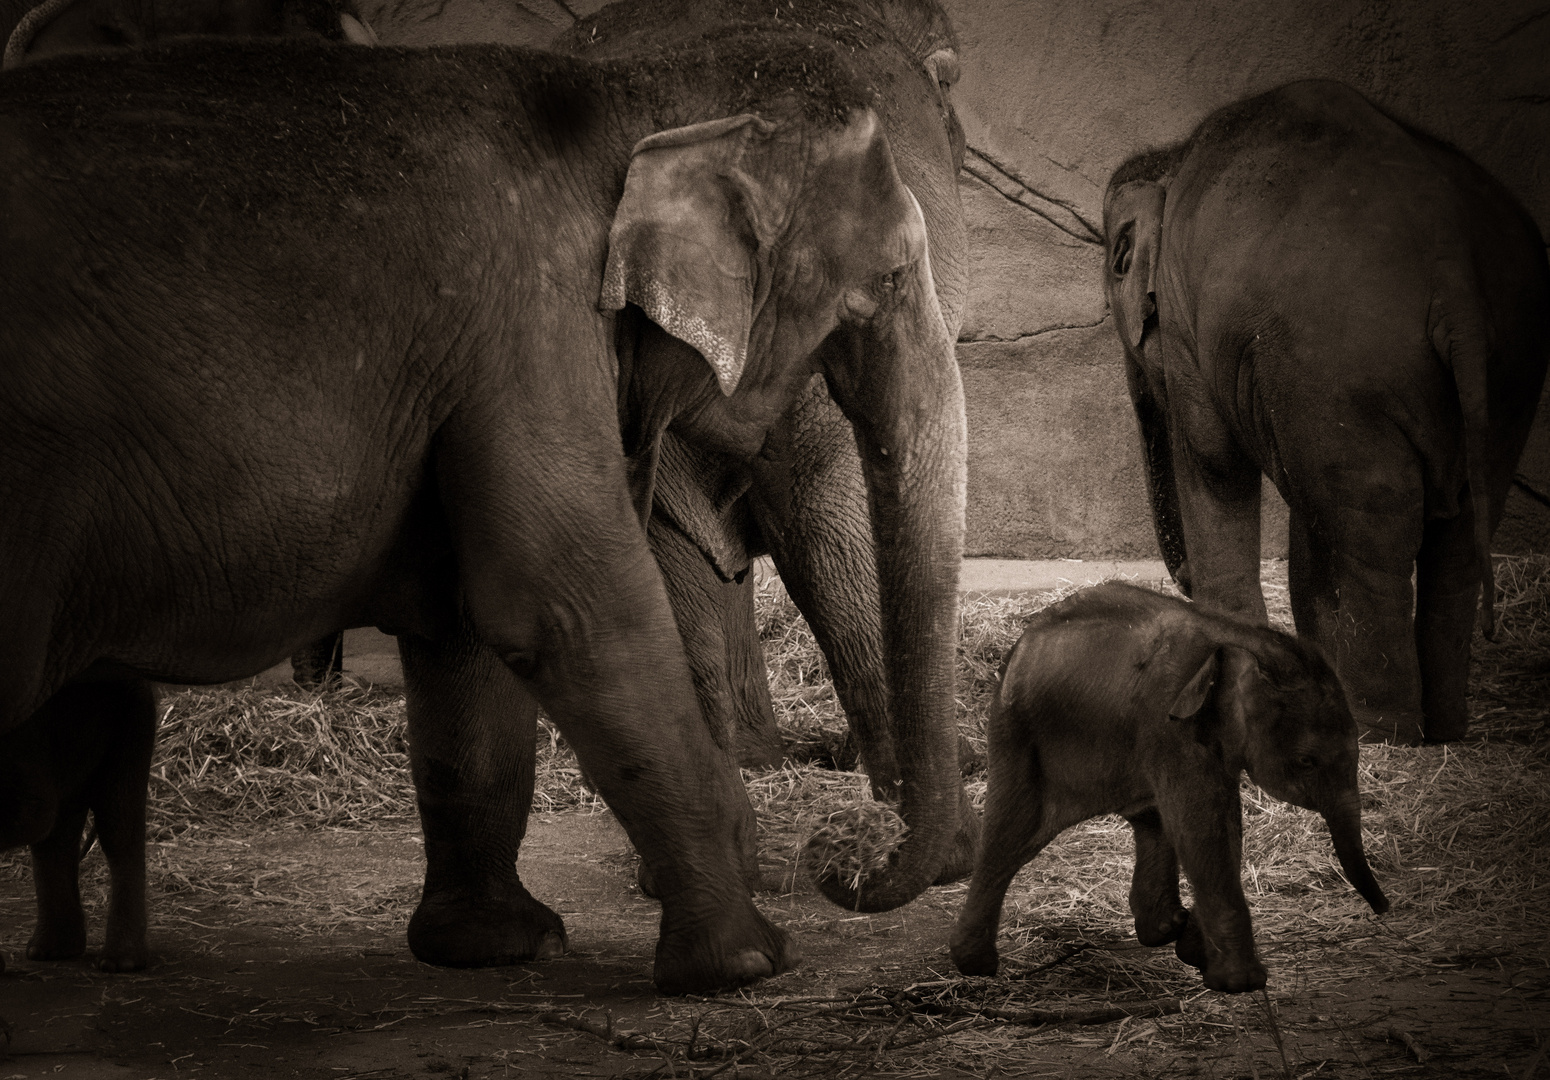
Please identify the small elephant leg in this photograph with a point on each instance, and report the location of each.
(118, 806)
(1154, 887)
(60, 933)
(320, 664)
(1447, 598)
(471, 747)
(1197, 802)
(1015, 830)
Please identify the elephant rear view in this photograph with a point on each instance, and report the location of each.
(1311, 289)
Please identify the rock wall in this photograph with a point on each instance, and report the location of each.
(1055, 94)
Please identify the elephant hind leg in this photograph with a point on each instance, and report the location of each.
(471, 749)
(1447, 595)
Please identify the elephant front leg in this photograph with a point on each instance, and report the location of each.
(1197, 801)
(471, 747)
(1154, 887)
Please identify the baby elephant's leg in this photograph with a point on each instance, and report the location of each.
(1197, 797)
(118, 805)
(1154, 888)
(60, 933)
(1013, 832)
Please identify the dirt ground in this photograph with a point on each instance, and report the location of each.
(279, 946)
(288, 959)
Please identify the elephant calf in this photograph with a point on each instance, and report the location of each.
(1121, 700)
(89, 748)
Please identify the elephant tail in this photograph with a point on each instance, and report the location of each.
(1463, 341)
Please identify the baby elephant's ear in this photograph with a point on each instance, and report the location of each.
(687, 237)
(1193, 697)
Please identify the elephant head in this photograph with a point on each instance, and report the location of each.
(1132, 228)
(714, 246)
(1281, 715)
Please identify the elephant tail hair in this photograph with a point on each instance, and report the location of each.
(1463, 341)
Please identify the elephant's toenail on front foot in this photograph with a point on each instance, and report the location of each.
(750, 964)
(551, 947)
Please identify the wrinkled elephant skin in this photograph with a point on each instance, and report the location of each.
(1310, 289)
(352, 365)
(1119, 700)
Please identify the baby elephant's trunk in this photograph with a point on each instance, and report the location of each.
(1345, 828)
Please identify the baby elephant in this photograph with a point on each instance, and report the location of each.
(89, 748)
(1121, 700)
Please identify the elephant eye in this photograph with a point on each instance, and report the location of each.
(1306, 761)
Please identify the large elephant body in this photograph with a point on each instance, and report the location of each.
(707, 525)
(802, 497)
(326, 348)
(1310, 289)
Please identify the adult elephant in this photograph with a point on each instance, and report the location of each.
(1309, 288)
(802, 499)
(710, 519)
(319, 368)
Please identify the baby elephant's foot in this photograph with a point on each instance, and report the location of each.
(1231, 974)
(1235, 975)
(974, 951)
(1159, 927)
(1190, 945)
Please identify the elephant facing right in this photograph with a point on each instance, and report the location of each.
(1311, 289)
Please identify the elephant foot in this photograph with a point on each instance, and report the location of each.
(64, 942)
(126, 955)
(1154, 928)
(452, 929)
(1239, 976)
(723, 952)
(974, 951)
(1190, 946)
(1230, 974)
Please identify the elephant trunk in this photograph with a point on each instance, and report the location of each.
(1344, 819)
(1162, 492)
(910, 431)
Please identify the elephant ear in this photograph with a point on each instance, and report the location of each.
(1132, 229)
(1193, 697)
(691, 236)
